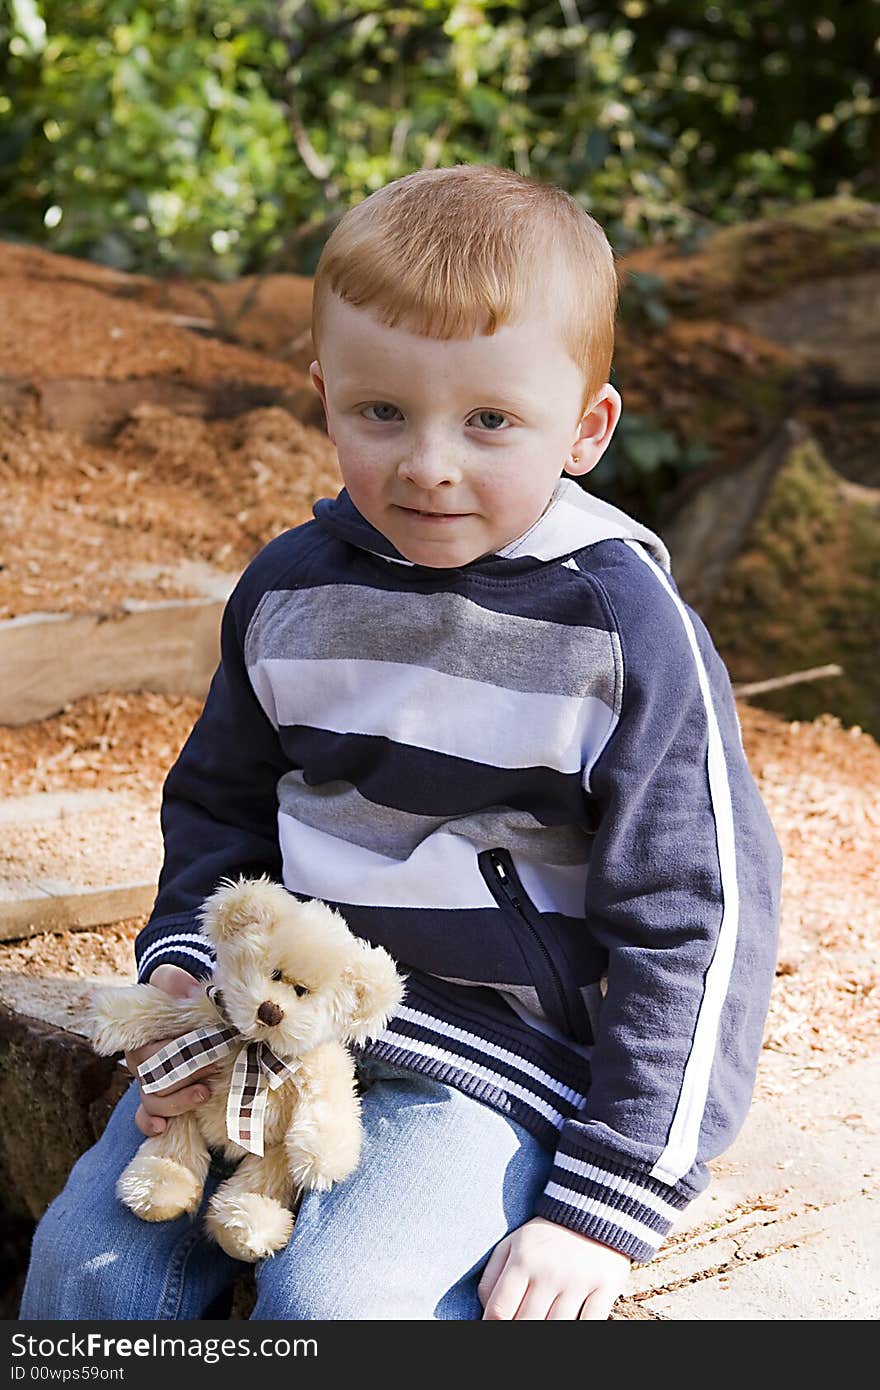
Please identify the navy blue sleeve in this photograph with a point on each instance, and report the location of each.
(683, 893)
(219, 801)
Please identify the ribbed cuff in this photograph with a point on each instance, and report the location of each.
(174, 941)
(621, 1206)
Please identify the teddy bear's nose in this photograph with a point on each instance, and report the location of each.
(269, 1012)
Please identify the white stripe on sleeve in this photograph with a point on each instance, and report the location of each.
(680, 1152)
(189, 944)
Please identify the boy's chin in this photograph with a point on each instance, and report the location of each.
(441, 557)
(441, 552)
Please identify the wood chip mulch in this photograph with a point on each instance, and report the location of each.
(85, 528)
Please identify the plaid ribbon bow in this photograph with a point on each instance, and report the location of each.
(257, 1070)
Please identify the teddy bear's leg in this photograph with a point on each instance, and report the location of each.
(249, 1215)
(323, 1140)
(167, 1174)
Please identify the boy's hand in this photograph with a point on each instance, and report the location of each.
(545, 1271)
(151, 1116)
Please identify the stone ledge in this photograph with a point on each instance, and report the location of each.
(56, 1096)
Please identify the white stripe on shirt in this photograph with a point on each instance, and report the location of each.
(421, 708)
(615, 1183)
(441, 872)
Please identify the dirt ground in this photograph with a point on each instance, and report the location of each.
(64, 328)
(84, 527)
(819, 782)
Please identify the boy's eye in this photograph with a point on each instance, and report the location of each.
(381, 406)
(490, 419)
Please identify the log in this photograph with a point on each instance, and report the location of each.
(816, 673)
(76, 859)
(51, 659)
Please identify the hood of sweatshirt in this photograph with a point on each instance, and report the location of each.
(572, 520)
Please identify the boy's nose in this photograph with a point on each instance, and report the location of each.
(428, 470)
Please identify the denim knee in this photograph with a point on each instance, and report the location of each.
(64, 1268)
(309, 1300)
(285, 1302)
(104, 1263)
(92, 1258)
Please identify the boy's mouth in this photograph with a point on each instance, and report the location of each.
(434, 516)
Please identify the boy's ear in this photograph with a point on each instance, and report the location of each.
(596, 427)
(317, 379)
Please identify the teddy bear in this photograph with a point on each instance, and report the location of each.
(292, 987)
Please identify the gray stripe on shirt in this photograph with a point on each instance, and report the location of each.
(339, 809)
(443, 631)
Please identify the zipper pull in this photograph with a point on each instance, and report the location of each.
(500, 868)
(509, 891)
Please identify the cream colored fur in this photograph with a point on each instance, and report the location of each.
(312, 1132)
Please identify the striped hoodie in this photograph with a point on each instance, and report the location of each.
(525, 779)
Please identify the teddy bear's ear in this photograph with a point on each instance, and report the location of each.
(239, 903)
(377, 991)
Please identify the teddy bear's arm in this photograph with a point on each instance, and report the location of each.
(129, 1016)
(323, 1139)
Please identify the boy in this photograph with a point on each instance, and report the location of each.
(467, 706)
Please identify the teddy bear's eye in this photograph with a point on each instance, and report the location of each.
(276, 974)
(301, 990)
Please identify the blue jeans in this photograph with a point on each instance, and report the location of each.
(442, 1179)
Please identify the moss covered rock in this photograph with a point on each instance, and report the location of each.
(805, 592)
(756, 260)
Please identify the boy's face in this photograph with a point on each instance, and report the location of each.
(452, 448)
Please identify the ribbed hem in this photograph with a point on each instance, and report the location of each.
(613, 1202)
(470, 1084)
(481, 1010)
(473, 1041)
